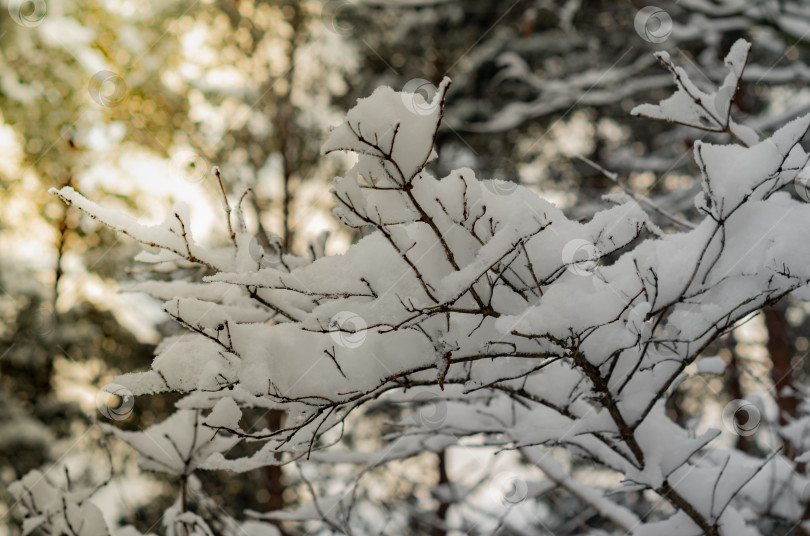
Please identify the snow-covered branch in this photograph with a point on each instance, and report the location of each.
(536, 331)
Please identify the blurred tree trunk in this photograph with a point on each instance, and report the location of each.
(444, 506)
(285, 123)
(734, 387)
(275, 486)
(780, 348)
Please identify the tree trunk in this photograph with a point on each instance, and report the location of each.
(441, 512)
(273, 473)
(780, 348)
(734, 387)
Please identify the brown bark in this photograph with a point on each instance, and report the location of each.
(275, 485)
(290, 162)
(441, 512)
(780, 348)
(285, 122)
(734, 387)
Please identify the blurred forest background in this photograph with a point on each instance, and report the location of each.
(134, 102)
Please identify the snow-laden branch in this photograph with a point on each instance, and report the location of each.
(533, 329)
